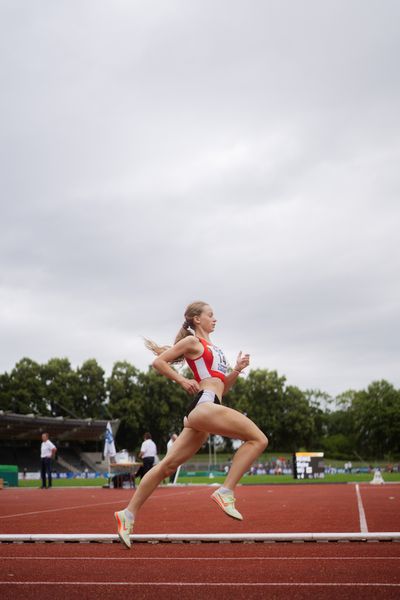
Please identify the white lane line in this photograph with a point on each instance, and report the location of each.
(363, 520)
(49, 510)
(204, 558)
(199, 584)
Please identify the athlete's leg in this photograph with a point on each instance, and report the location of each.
(228, 422)
(185, 446)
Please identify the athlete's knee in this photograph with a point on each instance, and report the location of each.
(171, 470)
(169, 466)
(262, 441)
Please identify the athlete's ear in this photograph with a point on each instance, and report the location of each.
(196, 319)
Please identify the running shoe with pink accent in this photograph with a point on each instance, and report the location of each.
(227, 503)
(125, 527)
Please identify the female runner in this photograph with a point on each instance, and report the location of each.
(205, 414)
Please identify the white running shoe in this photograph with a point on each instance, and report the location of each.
(125, 527)
(227, 503)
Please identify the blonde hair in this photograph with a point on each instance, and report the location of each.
(193, 310)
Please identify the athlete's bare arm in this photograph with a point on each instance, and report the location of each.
(189, 347)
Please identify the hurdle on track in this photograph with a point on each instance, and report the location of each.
(386, 536)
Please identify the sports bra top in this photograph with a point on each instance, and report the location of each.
(211, 363)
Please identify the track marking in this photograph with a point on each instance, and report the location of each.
(197, 584)
(203, 558)
(361, 512)
(49, 510)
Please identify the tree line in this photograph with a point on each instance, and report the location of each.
(357, 424)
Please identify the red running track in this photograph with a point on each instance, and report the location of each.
(236, 570)
(191, 571)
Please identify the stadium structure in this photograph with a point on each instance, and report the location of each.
(79, 442)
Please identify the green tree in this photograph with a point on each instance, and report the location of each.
(163, 404)
(144, 402)
(295, 427)
(345, 400)
(61, 387)
(339, 440)
(261, 399)
(319, 403)
(5, 392)
(376, 413)
(124, 394)
(91, 390)
(26, 388)
(282, 412)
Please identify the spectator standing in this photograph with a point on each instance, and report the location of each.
(47, 453)
(169, 445)
(148, 452)
(347, 467)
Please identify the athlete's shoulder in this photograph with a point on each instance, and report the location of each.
(191, 346)
(191, 341)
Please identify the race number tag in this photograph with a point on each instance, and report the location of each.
(219, 360)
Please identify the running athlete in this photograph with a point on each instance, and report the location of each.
(204, 415)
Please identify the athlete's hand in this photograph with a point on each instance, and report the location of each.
(190, 386)
(242, 361)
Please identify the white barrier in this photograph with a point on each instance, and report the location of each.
(205, 537)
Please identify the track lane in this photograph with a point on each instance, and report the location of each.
(318, 570)
(243, 571)
(274, 509)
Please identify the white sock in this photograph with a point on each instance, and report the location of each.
(224, 490)
(128, 514)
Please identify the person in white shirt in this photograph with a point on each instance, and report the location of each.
(171, 440)
(47, 452)
(148, 452)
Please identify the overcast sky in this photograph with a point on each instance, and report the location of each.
(240, 152)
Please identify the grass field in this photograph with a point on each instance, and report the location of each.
(249, 480)
(223, 458)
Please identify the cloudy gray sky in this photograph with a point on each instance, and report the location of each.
(241, 152)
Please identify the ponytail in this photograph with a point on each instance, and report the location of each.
(193, 310)
(157, 350)
(152, 346)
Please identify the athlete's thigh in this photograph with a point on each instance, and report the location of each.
(222, 420)
(188, 442)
